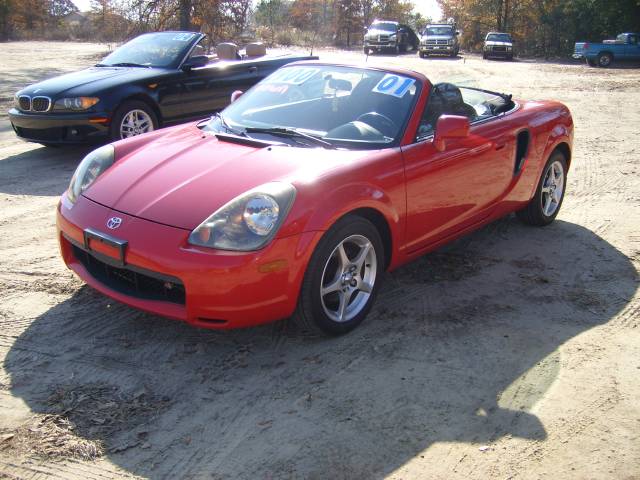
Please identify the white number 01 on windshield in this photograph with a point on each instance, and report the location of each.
(394, 85)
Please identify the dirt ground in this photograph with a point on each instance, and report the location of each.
(513, 353)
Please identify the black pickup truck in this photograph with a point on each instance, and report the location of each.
(384, 35)
(155, 80)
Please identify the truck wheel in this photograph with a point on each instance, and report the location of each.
(591, 63)
(366, 51)
(396, 50)
(484, 55)
(132, 118)
(605, 59)
(422, 54)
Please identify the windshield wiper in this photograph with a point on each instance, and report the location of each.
(227, 127)
(124, 64)
(289, 132)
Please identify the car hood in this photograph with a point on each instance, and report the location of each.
(88, 81)
(375, 33)
(181, 177)
(493, 43)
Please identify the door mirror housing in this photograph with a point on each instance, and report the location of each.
(236, 95)
(196, 61)
(450, 127)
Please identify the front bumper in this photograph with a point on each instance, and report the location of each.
(500, 53)
(442, 49)
(60, 128)
(380, 45)
(206, 288)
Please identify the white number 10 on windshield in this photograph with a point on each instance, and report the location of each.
(394, 85)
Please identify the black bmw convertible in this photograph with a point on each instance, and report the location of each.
(152, 81)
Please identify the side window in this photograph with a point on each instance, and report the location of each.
(199, 49)
(445, 99)
(633, 39)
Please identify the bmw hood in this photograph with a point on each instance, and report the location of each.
(181, 176)
(88, 81)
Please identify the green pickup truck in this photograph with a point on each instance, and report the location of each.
(626, 46)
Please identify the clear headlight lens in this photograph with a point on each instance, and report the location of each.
(90, 168)
(75, 103)
(249, 221)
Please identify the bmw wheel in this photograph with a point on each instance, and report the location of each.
(132, 118)
(342, 278)
(545, 204)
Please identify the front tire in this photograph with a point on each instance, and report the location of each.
(545, 204)
(132, 118)
(342, 278)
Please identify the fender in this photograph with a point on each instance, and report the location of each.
(350, 197)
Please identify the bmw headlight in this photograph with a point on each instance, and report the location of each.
(90, 168)
(249, 221)
(75, 103)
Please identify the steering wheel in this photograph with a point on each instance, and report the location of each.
(380, 122)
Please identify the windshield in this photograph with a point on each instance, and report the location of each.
(346, 107)
(445, 30)
(386, 26)
(499, 37)
(151, 50)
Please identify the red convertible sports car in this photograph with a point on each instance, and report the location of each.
(295, 199)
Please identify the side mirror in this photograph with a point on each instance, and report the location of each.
(196, 61)
(236, 95)
(450, 127)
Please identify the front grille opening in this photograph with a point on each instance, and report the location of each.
(130, 282)
(25, 103)
(40, 104)
(211, 321)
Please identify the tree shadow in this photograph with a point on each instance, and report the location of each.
(40, 171)
(461, 345)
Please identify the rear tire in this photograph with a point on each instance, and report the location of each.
(605, 59)
(342, 278)
(545, 204)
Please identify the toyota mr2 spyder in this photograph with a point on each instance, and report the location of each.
(295, 199)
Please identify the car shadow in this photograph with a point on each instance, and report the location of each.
(40, 170)
(460, 347)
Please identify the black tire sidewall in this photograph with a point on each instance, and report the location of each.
(310, 300)
(605, 55)
(123, 109)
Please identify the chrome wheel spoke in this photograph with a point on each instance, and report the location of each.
(334, 286)
(362, 256)
(343, 258)
(365, 287)
(342, 306)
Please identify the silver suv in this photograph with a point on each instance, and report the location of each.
(498, 44)
(439, 39)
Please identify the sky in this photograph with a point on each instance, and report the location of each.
(428, 8)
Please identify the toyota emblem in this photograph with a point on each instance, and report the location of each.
(114, 222)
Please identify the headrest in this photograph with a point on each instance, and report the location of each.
(256, 49)
(227, 51)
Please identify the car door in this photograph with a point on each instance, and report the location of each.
(450, 190)
(632, 49)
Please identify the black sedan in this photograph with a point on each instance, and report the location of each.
(152, 81)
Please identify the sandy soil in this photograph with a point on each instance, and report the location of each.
(513, 353)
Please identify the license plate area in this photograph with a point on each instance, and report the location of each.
(106, 245)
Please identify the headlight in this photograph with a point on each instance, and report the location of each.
(75, 103)
(393, 36)
(249, 221)
(90, 168)
(509, 47)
